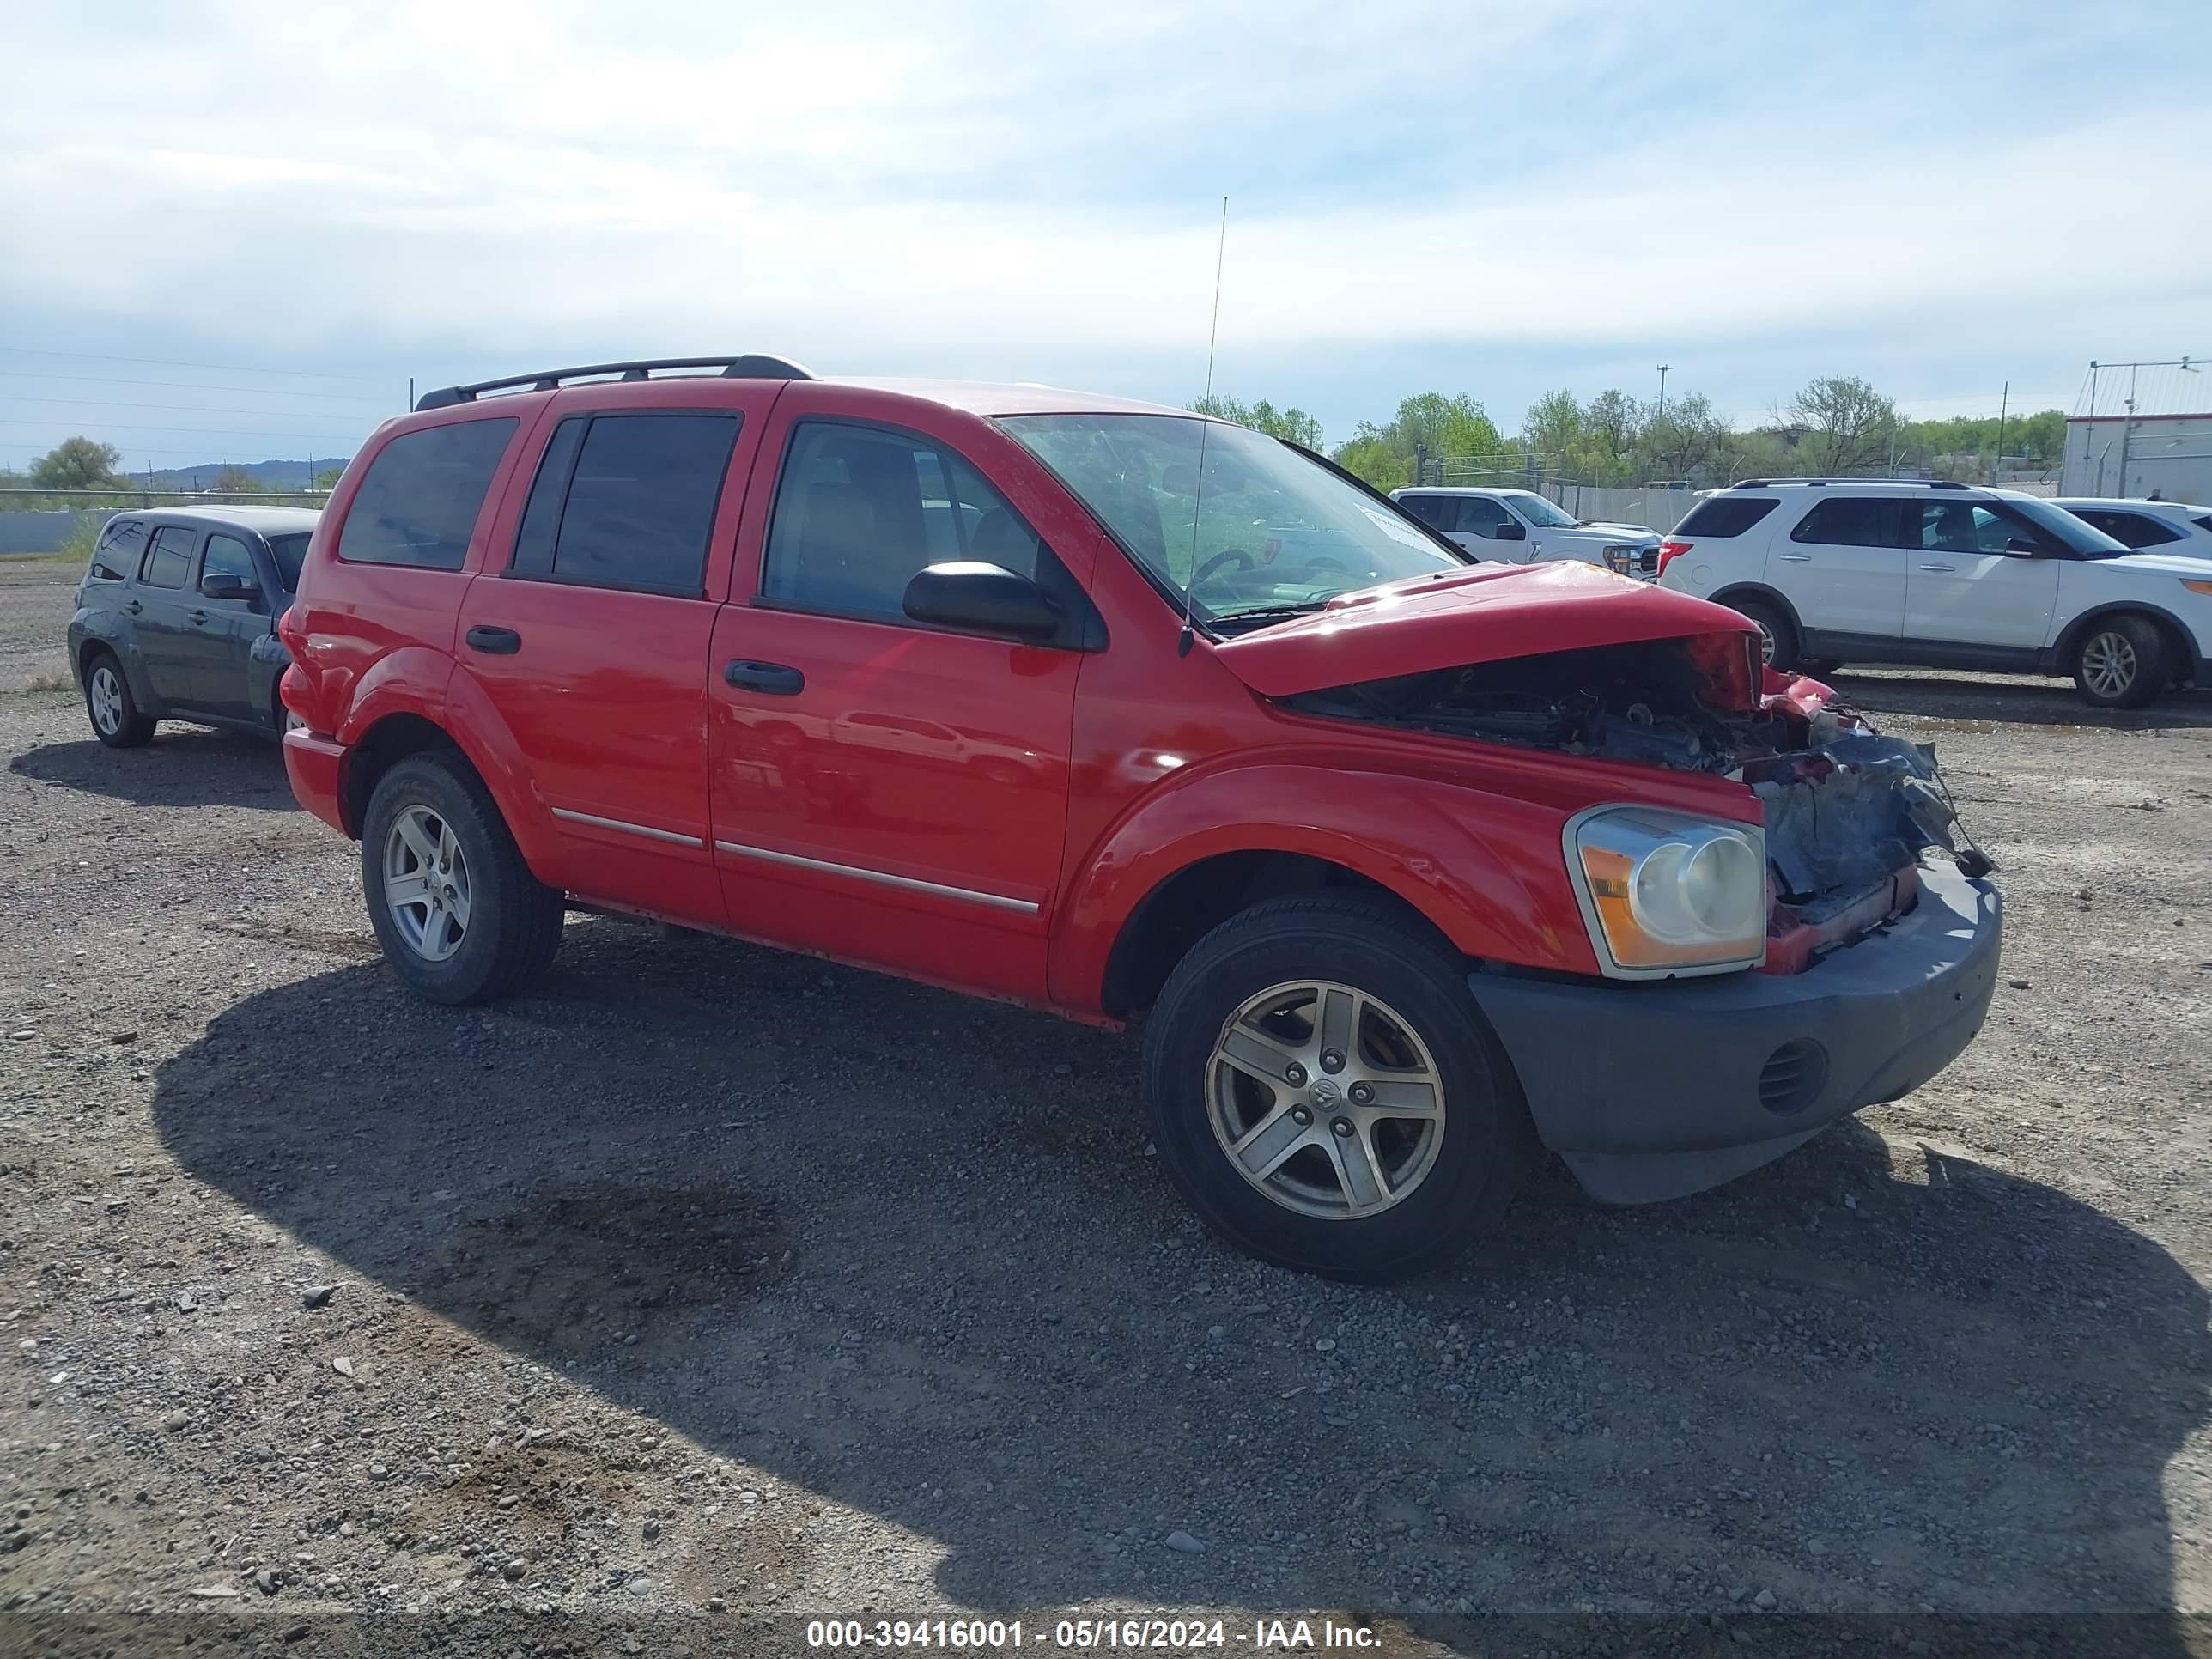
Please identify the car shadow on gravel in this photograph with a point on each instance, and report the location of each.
(184, 766)
(907, 1252)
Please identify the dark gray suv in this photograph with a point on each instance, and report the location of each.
(176, 618)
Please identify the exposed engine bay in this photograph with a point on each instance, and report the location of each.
(1848, 811)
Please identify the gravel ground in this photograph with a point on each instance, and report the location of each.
(707, 1285)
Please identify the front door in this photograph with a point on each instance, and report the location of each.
(223, 631)
(1844, 568)
(1981, 576)
(885, 792)
(588, 632)
(161, 604)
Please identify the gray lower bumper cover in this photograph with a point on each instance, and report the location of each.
(1651, 1090)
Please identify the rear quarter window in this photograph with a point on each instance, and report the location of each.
(120, 544)
(418, 504)
(1721, 517)
(2136, 529)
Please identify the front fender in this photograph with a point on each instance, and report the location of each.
(1484, 867)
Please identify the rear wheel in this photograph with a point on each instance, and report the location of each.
(1327, 1096)
(459, 915)
(1777, 645)
(2121, 663)
(116, 720)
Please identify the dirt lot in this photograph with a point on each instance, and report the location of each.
(707, 1285)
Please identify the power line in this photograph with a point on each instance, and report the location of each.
(170, 362)
(187, 409)
(186, 385)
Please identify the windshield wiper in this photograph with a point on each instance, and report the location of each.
(1260, 615)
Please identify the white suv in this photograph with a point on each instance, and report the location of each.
(1946, 576)
(1519, 526)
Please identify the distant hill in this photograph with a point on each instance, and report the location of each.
(273, 475)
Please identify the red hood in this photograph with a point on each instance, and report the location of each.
(1486, 613)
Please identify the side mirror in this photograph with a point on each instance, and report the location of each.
(988, 598)
(222, 585)
(1511, 530)
(2022, 545)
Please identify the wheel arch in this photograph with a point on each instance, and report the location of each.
(2187, 662)
(1765, 595)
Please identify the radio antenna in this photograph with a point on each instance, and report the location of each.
(1205, 405)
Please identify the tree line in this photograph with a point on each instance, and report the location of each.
(1835, 425)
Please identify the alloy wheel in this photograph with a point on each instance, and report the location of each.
(426, 882)
(107, 699)
(2109, 665)
(1326, 1100)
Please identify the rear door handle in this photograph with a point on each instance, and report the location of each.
(199, 616)
(495, 642)
(1797, 558)
(134, 607)
(1939, 567)
(774, 677)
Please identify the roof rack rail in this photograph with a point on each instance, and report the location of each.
(1909, 484)
(753, 366)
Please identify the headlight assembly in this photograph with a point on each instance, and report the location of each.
(1668, 893)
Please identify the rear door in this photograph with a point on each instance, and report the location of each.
(1981, 575)
(224, 630)
(885, 792)
(1843, 567)
(588, 630)
(162, 605)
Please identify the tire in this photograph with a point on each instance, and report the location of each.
(116, 720)
(1818, 667)
(1449, 1185)
(504, 929)
(2120, 662)
(1779, 634)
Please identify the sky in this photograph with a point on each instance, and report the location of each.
(234, 232)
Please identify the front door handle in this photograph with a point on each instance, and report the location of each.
(1797, 558)
(774, 677)
(1939, 567)
(134, 607)
(199, 616)
(495, 642)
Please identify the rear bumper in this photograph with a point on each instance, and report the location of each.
(315, 765)
(1654, 1091)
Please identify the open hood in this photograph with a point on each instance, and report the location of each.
(1486, 613)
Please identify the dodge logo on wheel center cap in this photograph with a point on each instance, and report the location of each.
(1324, 1092)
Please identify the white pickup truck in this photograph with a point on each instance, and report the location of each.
(1519, 526)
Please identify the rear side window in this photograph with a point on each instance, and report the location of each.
(860, 510)
(1434, 511)
(626, 501)
(424, 490)
(1854, 521)
(170, 560)
(117, 554)
(2136, 529)
(1721, 516)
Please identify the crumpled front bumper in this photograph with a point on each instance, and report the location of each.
(1653, 1090)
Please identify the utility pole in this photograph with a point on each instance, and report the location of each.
(2004, 403)
(1662, 391)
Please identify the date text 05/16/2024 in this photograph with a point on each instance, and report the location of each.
(1124, 1634)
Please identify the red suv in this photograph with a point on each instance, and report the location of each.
(1409, 863)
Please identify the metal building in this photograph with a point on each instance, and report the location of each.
(2142, 429)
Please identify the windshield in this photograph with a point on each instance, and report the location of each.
(1270, 531)
(290, 551)
(2080, 537)
(1539, 511)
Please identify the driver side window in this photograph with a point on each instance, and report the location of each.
(1479, 516)
(860, 510)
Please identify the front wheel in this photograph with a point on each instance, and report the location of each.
(1327, 1096)
(459, 915)
(2120, 663)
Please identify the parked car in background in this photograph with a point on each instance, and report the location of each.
(2147, 526)
(176, 619)
(1946, 576)
(1520, 526)
(1410, 862)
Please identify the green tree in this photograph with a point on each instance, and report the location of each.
(1291, 425)
(1554, 424)
(1428, 422)
(1849, 426)
(328, 478)
(77, 464)
(237, 480)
